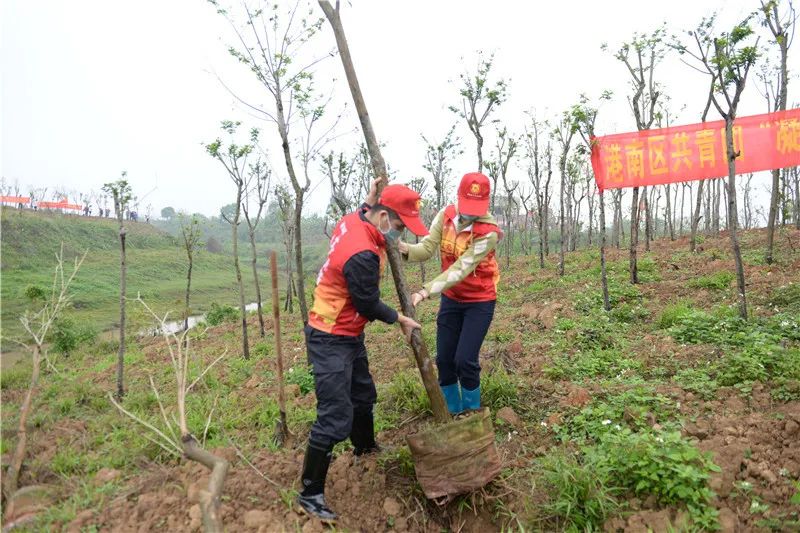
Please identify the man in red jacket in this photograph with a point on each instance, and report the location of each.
(347, 296)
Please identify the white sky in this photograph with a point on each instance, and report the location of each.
(91, 88)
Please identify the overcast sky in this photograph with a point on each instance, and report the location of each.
(91, 88)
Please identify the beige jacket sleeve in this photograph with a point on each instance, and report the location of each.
(464, 265)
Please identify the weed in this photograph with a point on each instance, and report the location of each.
(580, 498)
(303, 377)
(636, 408)
(661, 463)
(405, 394)
(16, 377)
(673, 313)
(608, 363)
(498, 389)
(398, 459)
(698, 381)
(717, 281)
(786, 298)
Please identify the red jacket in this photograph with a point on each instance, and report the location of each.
(333, 311)
(481, 284)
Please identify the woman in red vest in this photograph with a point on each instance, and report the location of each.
(466, 235)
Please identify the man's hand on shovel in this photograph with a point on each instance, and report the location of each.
(407, 325)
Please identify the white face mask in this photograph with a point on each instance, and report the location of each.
(390, 234)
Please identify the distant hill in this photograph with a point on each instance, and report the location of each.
(156, 267)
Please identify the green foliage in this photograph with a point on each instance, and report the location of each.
(786, 298)
(579, 498)
(498, 389)
(404, 394)
(597, 333)
(605, 363)
(673, 313)
(635, 408)
(659, 463)
(717, 281)
(303, 377)
(68, 335)
(35, 293)
(15, 377)
(698, 381)
(218, 314)
(629, 313)
(619, 292)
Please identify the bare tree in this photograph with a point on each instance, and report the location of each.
(727, 58)
(641, 56)
(37, 325)
(120, 191)
(191, 234)
(438, 158)
(584, 117)
(506, 149)
(781, 26)
(255, 197)
(175, 437)
(285, 215)
(563, 133)
(234, 158)
(272, 46)
(479, 97)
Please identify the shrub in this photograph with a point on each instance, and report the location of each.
(218, 314)
(34, 293)
(67, 335)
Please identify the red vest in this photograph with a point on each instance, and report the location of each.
(481, 284)
(333, 310)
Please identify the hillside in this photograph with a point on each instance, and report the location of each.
(156, 267)
(667, 413)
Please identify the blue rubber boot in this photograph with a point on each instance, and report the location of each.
(471, 398)
(452, 396)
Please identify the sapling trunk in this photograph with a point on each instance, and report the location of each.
(282, 429)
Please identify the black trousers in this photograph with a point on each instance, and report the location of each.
(342, 383)
(460, 330)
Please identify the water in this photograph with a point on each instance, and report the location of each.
(176, 326)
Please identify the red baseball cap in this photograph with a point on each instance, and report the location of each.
(405, 202)
(473, 194)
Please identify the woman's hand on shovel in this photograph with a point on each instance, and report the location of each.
(407, 325)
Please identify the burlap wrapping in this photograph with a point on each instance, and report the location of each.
(457, 457)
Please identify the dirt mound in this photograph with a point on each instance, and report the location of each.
(759, 456)
(166, 499)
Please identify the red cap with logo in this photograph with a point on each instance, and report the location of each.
(473, 194)
(406, 203)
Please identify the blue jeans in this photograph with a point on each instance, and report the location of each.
(461, 328)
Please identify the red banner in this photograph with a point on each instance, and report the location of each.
(697, 151)
(58, 205)
(14, 199)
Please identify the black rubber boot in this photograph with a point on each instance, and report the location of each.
(363, 434)
(315, 469)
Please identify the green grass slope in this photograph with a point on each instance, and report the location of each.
(156, 267)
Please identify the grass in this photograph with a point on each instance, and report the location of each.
(156, 268)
